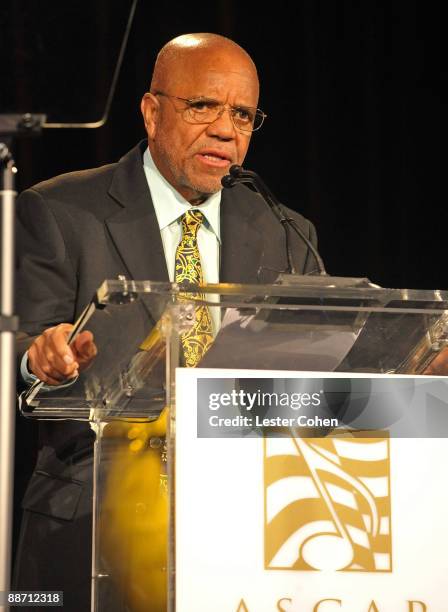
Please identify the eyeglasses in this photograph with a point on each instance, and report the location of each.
(205, 110)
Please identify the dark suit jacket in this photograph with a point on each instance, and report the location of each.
(74, 231)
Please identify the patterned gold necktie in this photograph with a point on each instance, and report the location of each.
(198, 339)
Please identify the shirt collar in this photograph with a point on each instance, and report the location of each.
(170, 205)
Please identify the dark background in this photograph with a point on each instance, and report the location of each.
(355, 93)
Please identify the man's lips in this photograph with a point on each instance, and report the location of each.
(214, 158)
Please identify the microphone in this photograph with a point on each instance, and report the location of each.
(237, 174)
(228, 181)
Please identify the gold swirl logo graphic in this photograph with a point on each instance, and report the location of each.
(327, 504)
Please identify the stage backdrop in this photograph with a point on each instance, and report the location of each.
(355, 94)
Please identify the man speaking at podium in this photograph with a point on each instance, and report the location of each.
(131, 218)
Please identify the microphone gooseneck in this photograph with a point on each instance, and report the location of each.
(237, 174)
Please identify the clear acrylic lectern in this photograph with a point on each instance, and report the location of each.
(128, 393)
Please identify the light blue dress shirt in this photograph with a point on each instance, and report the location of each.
(170, 206)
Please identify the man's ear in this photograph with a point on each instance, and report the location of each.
(150, 110)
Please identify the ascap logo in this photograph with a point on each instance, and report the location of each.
(327, 504)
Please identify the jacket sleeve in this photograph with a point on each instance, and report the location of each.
(45, 275)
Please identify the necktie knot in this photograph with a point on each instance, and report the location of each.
(191, 222)
(188, 261)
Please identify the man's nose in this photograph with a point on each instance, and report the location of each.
(222, 126)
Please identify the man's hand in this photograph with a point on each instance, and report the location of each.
(439, 365)
(52, 360)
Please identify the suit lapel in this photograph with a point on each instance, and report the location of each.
(133, 227)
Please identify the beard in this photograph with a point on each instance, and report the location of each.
(189, 179)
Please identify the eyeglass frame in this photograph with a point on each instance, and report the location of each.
(223, 108)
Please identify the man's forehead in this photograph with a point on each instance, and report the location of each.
(190, 64)
(213, 74)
